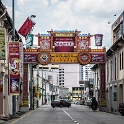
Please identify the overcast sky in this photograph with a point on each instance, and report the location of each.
(87, 16)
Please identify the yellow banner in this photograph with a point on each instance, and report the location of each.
(64, 34)
(102, 102)
(24, 102)
(2, 44)
(64, 57)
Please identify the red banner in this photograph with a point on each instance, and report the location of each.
(102, 77)
(30, 58)
(64, 44)
(98, 57)
(26, 27)
(14, 71)
(25, 85)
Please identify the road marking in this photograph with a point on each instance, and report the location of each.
(21, 117)
(70, 117)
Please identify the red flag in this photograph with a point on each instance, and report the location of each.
(26, 27)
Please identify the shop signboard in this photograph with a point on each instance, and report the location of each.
(2, 44)
(64, 44)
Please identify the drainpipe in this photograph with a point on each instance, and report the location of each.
(117, 76)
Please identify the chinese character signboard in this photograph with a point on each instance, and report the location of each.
(102, 86)
(2, 44)
(25, 86)
(21, 59)
(26, 27)
(14, 70)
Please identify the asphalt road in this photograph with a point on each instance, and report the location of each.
(76, 114)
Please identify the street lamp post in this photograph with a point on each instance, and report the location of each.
(42, 85)
(37, 83)
(45, 87)
(30, 85)
(13, 39)
(52, 93)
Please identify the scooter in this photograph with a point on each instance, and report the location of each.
(94, 108)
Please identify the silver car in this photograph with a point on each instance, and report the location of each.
(88, 102)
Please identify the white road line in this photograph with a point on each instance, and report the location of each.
(70, 117)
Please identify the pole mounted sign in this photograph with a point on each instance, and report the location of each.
(14, 70)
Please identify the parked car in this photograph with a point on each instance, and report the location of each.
(88, 102)
(60, 103)
(121, 108)
(74, 102)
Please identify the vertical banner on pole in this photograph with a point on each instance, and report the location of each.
(98, 39)
(29, 40)
(14, 71)
(21, 60)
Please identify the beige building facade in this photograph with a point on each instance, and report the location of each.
(115, 66)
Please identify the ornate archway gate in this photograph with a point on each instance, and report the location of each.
(66, 47)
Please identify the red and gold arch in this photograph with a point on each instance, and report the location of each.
(66, 47)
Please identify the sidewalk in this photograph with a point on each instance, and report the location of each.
(5, 119)
(1, 121)
(19, 114)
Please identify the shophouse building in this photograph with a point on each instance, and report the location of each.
(115, 66)
(5, 37)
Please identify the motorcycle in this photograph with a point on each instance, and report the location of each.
(94, 108)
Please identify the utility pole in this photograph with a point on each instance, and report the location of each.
(13, 39)
(37, 83)
(57, 88)
(30, 84)
(42, 85)
(45, 86)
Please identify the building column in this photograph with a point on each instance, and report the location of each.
(5, 97)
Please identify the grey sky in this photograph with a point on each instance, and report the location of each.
(88, 16)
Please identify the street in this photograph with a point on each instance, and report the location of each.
(76, 114)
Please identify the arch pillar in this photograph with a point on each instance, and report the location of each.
(102, 94)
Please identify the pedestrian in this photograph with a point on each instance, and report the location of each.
(45, 101)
